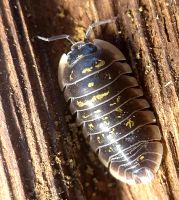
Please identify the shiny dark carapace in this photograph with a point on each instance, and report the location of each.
(112, 110)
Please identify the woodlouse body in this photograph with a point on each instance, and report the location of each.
(112, 110)
(110, 107)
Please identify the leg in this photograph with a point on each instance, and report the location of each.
(98, 23)
(57, 37)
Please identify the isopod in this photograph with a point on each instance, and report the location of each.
(110, 106)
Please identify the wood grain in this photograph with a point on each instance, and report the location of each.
(43, 154)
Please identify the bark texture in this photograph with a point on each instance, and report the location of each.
(43, 154)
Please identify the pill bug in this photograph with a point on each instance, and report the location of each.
(110, 106)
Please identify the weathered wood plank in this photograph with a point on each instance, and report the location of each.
(43, 154)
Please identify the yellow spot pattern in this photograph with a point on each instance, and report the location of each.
(100, 63)
(87, 70)
(85, 116)
(99, 96)
(130, 123)
(104, 118)
(93, 99)
(80, 103)
(112, 131)
(141, 158)
(106, 123)
(118, 99)
(110, 149)
(112, 104)
(91, 84)
(90, 126)
(108, 76)
(99, 139)
(118, 110)
(97, 111)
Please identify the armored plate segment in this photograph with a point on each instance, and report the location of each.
(112, 110)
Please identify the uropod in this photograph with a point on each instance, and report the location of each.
(109, 104)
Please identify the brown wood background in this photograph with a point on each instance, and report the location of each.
(43, 154)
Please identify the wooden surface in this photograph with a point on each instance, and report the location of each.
(43, 154)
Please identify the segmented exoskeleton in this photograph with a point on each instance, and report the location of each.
(110, 106)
